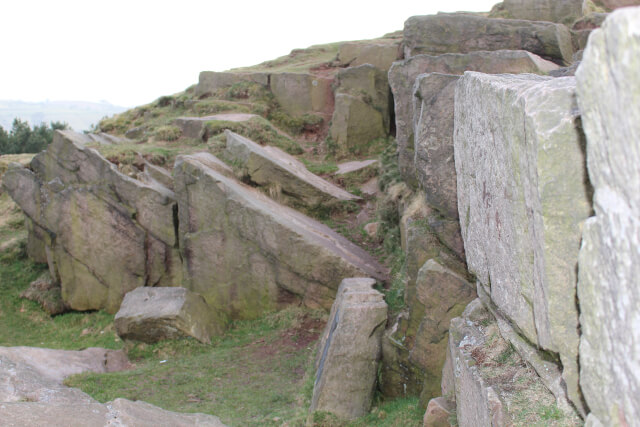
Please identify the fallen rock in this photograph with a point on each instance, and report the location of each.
(438, 413)
(209, 81)
(299, 94)
(372, 229)
(463, 33)
(349, 350)
(194, 127)
(281, 174)
(402, 77)
(155, 314)
(246, 254)
(609, 266)
(46, 292)
(523, 197)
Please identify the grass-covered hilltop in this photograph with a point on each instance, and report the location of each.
(433, 228)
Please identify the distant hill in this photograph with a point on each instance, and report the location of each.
(79, 115)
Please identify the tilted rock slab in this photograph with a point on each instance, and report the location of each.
(522, 198)
(154, 314)
(247, 254)
(463, 33)
(107, 233)
(609, 268)
(32, 394)
(211, 81)
(349, 350)
(403, 74)
(281, 173)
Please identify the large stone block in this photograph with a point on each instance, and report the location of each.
(562, 11)
(246, 254)
(523, 196)
(103, 232)
(299, 94)
(609, 267)
(402, 77)
(463, 33)
(381, 56)
(154, 314)
(281, 174)
(349, 350)
(210, 81)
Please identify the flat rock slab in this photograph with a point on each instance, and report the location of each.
(32, 394)
(349, 350)
(463, 33)
(192, 127)
(358, 165)
(247, 254)
(403, 75)
(282, 173)
(155, 314)
(522, 198)
(609, 267)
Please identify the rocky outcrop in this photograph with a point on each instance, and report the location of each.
(349, 350)
(104, 232)
(380, 55)
(361, 112)
(246, 254)
(463, 33)
(283, 176)
(154, 314)
(402, 77)
(194, 127)
(609, 267)
(610, 5)
(31, 393)
(519, 154)
(210, 81)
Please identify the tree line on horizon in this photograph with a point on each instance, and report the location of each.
(22, 138)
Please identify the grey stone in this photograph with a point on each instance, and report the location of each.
(299, 93)
(246, 254)
(402, 77)
(281, 174)
(438, 413)
(194, 127)
(520, 163)
(463, 33)
(380, 55)
(154, 314)
(349, 350)
(562, 11)
(209, 81)
(609, 267)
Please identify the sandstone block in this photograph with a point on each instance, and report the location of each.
(403, 74)
(609, 267)
(562, 11)
(210, 81)
(349, 350)
(520, 164)
(246, 254)
(281, 174)
(155, 314)
(381, 56)
(299, 94)
(438, 413)
(463, 33)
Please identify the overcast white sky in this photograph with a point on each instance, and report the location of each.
(129, 52)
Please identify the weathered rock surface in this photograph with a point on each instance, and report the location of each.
(281, 174)
(349, 350)
(298, 93)
(438, 413)
(355, 166)
(79, 198)
(47, 292)
(31, 392)
(154, 314)
(562, 11)
(381, 56)
(194, 127)
(361, 107)
(246, 254)
(520, 163)
(610, 5)
(463, 33)
(402, 77)
(210, 81)
(609, 267)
